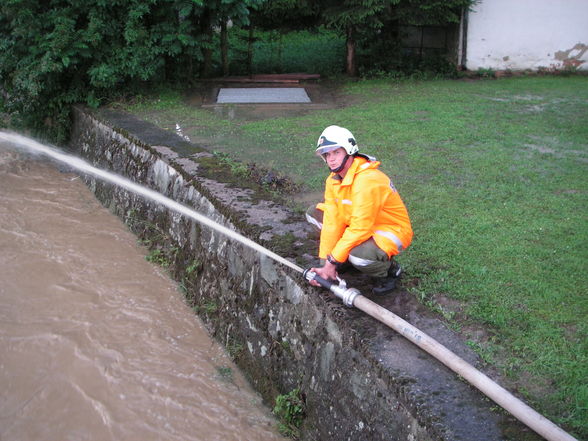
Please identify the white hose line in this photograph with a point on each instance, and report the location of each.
(81, 165)
(497, 393)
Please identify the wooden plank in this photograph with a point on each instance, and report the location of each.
(268, 78)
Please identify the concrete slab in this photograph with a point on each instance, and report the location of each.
(262, 95)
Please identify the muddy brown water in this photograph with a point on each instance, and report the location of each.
(96, 342)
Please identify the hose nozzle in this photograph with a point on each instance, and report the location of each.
(347, 295)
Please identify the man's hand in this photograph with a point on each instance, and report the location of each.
(327, 272)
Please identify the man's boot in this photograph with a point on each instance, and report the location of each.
(385, 285)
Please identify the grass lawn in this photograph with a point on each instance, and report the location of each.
(495, 176)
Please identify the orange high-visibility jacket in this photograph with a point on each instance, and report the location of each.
(364, 204)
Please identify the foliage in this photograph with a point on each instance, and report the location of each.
(60, 52)
(215, 18)
(355, 13)
(290, 408)
(194, 267)
(158, 257)
(225, 373)
(206, 307)
(322, 51)
(234, 348)
(485, 73)
(430, 12)
(379, 61)
(319, 51)
(287, 15)
(374, 22)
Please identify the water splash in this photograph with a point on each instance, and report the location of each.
(35, 147)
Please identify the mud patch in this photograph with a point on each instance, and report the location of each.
(539, 148)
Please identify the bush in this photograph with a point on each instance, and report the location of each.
(54, 54)
(291, 410)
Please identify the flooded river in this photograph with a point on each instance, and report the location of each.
(96, 343)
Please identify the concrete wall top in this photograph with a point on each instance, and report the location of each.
(527, 34)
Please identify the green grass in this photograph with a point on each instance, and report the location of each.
(495, 176)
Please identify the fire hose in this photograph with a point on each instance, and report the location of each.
(520, 410)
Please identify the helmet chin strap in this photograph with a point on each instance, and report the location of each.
(338, 169)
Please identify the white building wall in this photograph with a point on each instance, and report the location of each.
(527, 34)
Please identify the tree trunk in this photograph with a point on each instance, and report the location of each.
(280, 66)
(206, 29)
(351, 66)
(250, 51)
(224, 37)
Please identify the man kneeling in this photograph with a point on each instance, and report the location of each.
(362, 221)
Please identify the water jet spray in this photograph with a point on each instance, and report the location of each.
(350, 296)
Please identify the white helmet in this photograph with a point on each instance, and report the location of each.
(334, 137)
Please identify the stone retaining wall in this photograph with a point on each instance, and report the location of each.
(360, 380)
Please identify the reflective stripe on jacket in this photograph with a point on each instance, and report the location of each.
(364, 204)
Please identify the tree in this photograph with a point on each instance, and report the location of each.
(350, 15)
(218, 14)
(287, 15)
(283, 16)
(431, 12)
(367, 17)
(58, 52)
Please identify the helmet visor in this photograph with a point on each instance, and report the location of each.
(324, 146)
